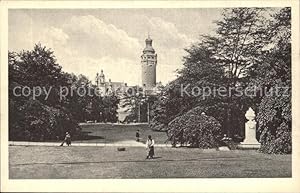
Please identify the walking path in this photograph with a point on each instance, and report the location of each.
(123, 124)
(129, 143)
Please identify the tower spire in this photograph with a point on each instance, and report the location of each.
(149, 61)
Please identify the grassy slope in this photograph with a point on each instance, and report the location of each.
(113, 133)
(107, 162)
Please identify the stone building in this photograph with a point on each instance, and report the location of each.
(108, 87)
(148, 76)
(149, 62)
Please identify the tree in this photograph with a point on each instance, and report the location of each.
(64, 99)
(236, 47)
(168, 105)
(87, 104)
(37, 118)
(195, 129)
(78, 99)
(274, 75)
(110, 108)
(37, 67)
(223, 60)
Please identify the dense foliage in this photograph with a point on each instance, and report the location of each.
(195, 129)
(47, 115)
(168, 105)
(274, 115)
(251, 49)
(275, 120)
(35, 121)
(217, 62)
(93, 106)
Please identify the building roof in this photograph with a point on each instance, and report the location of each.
(148, 47)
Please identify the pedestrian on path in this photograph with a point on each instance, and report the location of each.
(150, 147)
(67, 139)
(137, 135)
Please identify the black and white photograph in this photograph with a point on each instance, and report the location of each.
(149, 93)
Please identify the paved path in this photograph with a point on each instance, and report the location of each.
(128, 143)
(100, 123)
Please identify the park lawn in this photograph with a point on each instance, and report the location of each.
(35, 162)
(110, 133)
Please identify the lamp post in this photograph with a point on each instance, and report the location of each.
(148, 112)
(139, 101)
(139, 112)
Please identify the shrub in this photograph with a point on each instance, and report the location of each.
(39, 122)
(274, 124)
(195, 130)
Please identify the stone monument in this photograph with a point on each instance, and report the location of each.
(250, 140)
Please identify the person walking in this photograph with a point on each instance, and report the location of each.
(137, 135)
(150, 147)
(67, 139)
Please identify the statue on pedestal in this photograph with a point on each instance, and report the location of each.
(250, 140)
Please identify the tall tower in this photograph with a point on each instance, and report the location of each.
(100, 81)
(149, 61)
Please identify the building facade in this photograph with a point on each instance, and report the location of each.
(148, 88)
(108, 87)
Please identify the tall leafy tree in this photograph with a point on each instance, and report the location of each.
(274, 75)
(50, 115)
(37, 118)
(225, 60)
(236, 47)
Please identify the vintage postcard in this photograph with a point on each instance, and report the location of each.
(149, 96)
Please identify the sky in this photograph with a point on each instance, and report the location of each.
(85, 41)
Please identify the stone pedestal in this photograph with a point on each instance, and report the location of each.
(250, 141)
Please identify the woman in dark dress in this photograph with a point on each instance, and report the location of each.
(150, 147)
